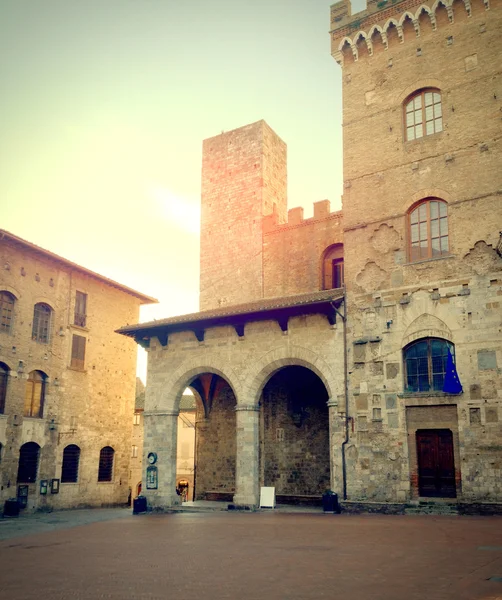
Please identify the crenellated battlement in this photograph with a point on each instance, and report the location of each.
(387, 21)
(295, 217)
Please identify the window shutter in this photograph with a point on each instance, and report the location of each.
(78, 352)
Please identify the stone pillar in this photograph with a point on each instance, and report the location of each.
(161, 436)
(336, 437)
(247, 463)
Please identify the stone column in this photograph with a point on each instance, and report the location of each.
(336, 437)
(161, 437)
(247, 463)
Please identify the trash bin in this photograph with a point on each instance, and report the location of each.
(330, 502)
(11, 508)
(139, 505)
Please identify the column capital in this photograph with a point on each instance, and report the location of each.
(248, 407)
(332, 403)
(161, 413)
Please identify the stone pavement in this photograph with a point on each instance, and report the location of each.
(257, 556)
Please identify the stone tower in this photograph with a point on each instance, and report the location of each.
(243, 180)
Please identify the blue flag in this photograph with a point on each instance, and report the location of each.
(452, 383)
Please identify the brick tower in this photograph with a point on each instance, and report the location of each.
(243, 180)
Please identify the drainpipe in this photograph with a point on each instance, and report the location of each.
(346, 391)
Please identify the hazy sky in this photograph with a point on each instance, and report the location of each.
(104, 105)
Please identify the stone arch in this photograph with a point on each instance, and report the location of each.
(426, 325)
(363, 44)
(461, 10)
(167, 396)
(423, 194)
(409, 25)
(394, 32)
(443, 12)
(263, 369)
(426, 19)
(378, 39)
(418, 85)
(348, 50)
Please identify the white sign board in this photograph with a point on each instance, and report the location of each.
(267, 497)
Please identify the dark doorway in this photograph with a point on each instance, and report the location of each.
(436, 463)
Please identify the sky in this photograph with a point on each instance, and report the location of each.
(103, 108)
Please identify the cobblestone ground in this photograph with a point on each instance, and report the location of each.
(251, 557)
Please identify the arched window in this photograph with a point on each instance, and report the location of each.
(71, 459)
(4, 379)
(35, 394)
(332, 267)
(105, 472)
(28, 463)
(423, 114)
(425, 364)
(41, 323)
(7, 301)
(428, 230)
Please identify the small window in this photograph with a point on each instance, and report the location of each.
(78, 352)
(423, 114)
(6, 311)
(425, 364)
(105, 472)
(80, 315)
(428, 230)
(71, 459)
(28, 463)
(332, 267)
(4, 380)
(35, 394)
(136, 419)
(134, 451)
(41, 323)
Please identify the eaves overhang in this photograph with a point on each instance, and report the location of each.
(326, 302)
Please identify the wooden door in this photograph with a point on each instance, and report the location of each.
(436, 463)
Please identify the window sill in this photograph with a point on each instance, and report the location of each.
(428, 260)
(417, 141)
(33, 418)
(77, 369)
(79, 327)
(106, 482)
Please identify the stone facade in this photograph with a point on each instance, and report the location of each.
(87, 397)
(327, 381)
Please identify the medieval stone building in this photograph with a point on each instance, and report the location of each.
(67, 381)
(358, 350)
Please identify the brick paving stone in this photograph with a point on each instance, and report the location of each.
(259, 556)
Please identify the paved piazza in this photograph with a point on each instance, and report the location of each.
(260, 556)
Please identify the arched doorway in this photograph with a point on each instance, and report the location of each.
(294, 435)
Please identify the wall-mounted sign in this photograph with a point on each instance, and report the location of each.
(44, 484)
(54, 486)
(152, 458)
(22, 495)
(151, 478)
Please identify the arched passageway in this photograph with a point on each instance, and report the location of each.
(215, 438)
(294, 434)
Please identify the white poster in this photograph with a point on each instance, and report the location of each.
(267, 497)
